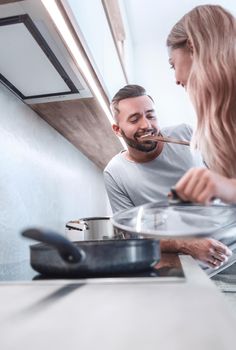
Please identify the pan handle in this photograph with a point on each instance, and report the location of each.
(67, 250)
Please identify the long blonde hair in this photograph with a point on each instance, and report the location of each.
(211, 32)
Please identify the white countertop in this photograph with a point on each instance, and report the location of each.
(169, 315)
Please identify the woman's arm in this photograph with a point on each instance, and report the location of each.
(202, 185)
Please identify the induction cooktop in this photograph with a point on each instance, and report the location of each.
(169, 268)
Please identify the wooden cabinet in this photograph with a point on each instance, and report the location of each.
(84, 124)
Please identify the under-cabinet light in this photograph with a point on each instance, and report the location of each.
(58, 19)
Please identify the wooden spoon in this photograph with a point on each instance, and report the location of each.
(163, 139)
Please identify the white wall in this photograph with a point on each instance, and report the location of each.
(92, 22)
(128, 44)
(44, 180)
(150, 22)
(172, 102)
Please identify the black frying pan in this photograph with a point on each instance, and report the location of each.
(59, 257)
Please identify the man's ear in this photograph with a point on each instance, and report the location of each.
(116, 130)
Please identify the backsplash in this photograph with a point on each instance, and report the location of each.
(44, 180)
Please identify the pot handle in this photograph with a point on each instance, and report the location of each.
(79, 225)
(67, 250)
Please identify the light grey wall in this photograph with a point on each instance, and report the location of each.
(44, 180)
(173, 105)
(90, 14)
(150, 22)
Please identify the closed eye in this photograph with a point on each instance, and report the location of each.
(133, 120)
(171, 64)
(151, 116)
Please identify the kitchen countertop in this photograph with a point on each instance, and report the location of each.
(59, 314)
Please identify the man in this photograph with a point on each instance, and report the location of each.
(146, 171)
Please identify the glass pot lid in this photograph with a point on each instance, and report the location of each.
(166, 220)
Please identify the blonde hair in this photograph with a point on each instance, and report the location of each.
(211, 32)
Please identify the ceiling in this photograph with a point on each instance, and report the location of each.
(151, 20)
(149, 23)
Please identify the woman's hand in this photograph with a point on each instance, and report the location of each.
(202, 185)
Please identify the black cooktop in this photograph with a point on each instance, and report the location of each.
(169, 266)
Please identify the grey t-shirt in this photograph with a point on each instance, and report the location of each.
(130, 184)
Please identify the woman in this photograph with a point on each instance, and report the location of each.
(202, 51)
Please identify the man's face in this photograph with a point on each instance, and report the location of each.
(137, 117)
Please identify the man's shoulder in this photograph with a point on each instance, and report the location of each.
(181, 131)
(114, 162)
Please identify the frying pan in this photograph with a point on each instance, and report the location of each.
(56, 256)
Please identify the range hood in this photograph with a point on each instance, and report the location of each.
(35, 64)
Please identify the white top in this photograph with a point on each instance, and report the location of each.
(131, 184)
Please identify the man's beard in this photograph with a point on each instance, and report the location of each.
(146, 146)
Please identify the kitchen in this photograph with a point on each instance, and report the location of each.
(53, 153)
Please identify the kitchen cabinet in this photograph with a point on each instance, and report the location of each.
(53, 80)
(83, 123)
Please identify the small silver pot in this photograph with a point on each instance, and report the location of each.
(86, 229)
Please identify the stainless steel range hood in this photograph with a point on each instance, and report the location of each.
(35, 63)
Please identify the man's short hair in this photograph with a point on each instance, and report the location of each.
(127, 91)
